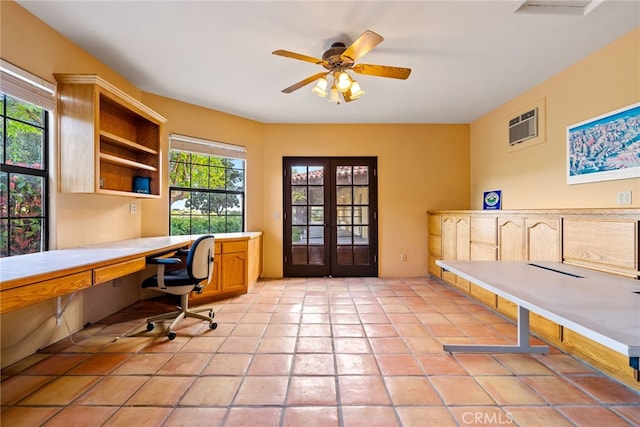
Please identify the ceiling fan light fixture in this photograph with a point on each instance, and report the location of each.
(355, 91)
(339, 59)
(343, 81)
(320, 88)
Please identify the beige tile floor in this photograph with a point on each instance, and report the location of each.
(311, 352)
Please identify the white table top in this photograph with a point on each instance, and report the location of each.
(603, 307)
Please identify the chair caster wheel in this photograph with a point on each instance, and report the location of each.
(213, 325)
(211, 314)
(172, 335)
(150, 326)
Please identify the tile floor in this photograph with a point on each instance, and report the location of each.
(311, 352)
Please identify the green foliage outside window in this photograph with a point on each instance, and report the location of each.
(22, 177)
(207, 193)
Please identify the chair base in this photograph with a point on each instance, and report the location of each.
(182, 313)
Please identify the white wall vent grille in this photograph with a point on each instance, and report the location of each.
(523, 127)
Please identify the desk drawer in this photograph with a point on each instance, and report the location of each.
(229, 247)
(23, 296)
(121, 269)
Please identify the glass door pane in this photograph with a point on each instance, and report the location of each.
(352, 199)
(307, 253)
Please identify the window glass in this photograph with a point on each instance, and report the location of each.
(23, 177)
(207, 193)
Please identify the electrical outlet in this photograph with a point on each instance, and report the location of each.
(133, 208)
(624, 197)
(403, 256)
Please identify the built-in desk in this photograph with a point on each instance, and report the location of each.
(603, 307)
(32, 278)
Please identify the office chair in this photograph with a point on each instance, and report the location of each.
(193, 278)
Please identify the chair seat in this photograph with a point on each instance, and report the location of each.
(171, 278)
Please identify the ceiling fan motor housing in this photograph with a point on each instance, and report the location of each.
(334, 59)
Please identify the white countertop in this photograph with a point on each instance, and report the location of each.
(21, 269)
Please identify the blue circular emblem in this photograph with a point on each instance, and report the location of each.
(492, 198)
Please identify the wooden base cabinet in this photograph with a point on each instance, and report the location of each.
(601, 239)
(237, 266)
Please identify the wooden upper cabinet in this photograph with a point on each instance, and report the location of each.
(107, 139)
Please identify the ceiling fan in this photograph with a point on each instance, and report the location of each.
(337, 60)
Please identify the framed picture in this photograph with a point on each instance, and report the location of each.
(605, 148)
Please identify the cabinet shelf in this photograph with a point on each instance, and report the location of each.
(116, 140)
(126, 162)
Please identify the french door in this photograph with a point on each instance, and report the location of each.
(330, 216)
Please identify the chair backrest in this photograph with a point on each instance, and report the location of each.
(200, 258)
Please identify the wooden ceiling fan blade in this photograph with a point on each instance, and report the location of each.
(304, 82)
(363, 44)
(382, 71)
(298, 56)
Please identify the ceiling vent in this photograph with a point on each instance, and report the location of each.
(523, 127)
(558, 7)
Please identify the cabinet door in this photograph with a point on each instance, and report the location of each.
(455, 245)
(602, 244)
(511, 239)
(448, 245)
(463, 238)
(543, 239)
(234, 271)
(484, 238)
(463, 247)
(435, 244)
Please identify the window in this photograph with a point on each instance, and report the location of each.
(24, 136)
(206, 185)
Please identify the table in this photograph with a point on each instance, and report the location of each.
(602, 307)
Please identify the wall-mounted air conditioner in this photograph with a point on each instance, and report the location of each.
(523, 127)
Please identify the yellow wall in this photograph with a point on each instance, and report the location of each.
(535, 177)
(420, 167)
(191, 120)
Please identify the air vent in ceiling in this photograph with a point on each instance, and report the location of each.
(558, 7)
(523, 127)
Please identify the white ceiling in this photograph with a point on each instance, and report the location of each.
(467, 57)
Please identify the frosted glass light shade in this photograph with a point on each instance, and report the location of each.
(320, 88)
(356, 91)
(334, 95)
(343, 81)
